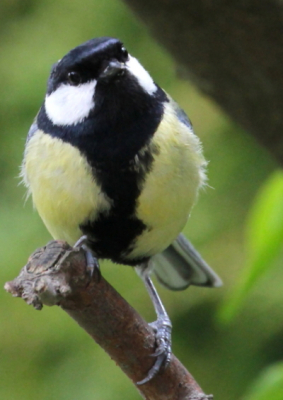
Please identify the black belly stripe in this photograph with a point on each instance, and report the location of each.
(114, 232)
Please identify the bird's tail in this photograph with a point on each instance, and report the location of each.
(180, 265)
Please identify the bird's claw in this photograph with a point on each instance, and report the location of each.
(79, 243)
(92, 265)
(162, 329)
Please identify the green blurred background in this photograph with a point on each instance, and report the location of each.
(231, 339)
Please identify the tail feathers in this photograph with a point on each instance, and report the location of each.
(180, 265)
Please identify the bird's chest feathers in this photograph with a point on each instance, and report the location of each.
(158, 189)
(170, 188)
(62, 186)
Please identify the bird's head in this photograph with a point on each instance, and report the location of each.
(91, 73)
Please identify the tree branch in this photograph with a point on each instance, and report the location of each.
(56, 275)
(233, 51)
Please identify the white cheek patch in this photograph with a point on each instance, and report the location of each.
(143, 77)
(69, 105)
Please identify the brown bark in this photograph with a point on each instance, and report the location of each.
(56, 275)
(233, 51)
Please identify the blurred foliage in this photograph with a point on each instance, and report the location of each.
(264, 240)
(45, 354)
(269, 385)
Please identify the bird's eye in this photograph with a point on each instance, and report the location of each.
(124, 52)
(74, 78)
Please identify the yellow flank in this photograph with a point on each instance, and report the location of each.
(62, 186)
(171, 188)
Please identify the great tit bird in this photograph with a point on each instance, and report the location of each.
(113, 160)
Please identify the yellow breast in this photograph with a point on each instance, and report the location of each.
(171, 188)
(62, 186)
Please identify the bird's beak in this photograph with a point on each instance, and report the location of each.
(113, 69)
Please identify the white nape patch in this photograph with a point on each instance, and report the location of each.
(143, 77)
(69, 105)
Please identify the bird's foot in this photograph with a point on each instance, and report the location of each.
(92, 265)
(82, 241)
(162, 329)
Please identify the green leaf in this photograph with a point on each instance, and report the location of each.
(264, 239)
(268, 386)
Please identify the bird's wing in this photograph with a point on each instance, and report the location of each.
(32, 130)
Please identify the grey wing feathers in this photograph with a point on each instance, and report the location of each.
(182, 116)
(180, 265)
(32, 130)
